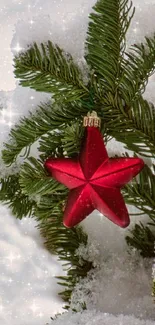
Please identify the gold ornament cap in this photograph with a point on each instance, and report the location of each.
(92, 120)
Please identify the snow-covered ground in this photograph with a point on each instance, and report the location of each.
(28, 290)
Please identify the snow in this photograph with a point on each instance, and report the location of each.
(16, 104)
(121, 280)
(120, 287)
(98, 318)
(27, 274)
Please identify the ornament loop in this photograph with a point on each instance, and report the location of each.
(92, 120)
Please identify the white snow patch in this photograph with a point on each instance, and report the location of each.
(90, 317)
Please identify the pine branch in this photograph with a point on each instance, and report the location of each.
(141, 192)
(66, 142)
(62, 241)
(136, 70)
(49, 69)
(134, 126)
(50, 145)
(11, 194)
(71, 141)
(106, 41)
(142, 239)
(34, 180)
(48, 117)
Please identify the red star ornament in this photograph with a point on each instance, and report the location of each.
(94, 181)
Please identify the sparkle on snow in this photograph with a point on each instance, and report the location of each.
(17, 48)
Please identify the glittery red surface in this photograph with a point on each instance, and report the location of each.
(94, 181)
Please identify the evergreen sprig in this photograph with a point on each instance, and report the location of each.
(34, 180)
(134, 126)
(142, 238)
(11, 194)
(106, 41)
(48, 68)
(62, 241)
(138, 66)
(62, 143)
(141, 192)
(48, 117)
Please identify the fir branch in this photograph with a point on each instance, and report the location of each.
(64, 242)
(142, 238)
(106, 41)
(62, 143)
(71, 141)
(48, 117)
(11, 194)
(50, 145)
(49, 69)
(134, 126)
(141, 192)
(137, 67)
(34, 180)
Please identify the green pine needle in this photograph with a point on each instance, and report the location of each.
(64, 242)
(35, 181)
(66, 142)
(137, 68)
(49, 69)
(108, 25)
(48, 117)
(134, 126)
(141, 192)
(12, 195)
(143, 239)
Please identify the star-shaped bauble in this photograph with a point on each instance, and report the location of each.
(94, 181)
